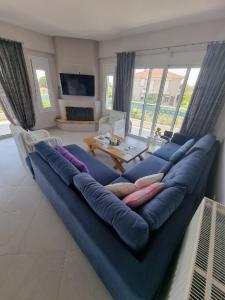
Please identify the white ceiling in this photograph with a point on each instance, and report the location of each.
(106, 19)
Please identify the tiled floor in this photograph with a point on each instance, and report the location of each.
(38, 258)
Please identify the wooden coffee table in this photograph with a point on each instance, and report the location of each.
(128, 150)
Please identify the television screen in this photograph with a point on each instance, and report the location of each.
(77, 85)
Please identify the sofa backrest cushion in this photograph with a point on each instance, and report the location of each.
(205, 144)
(132, 228)
(162, 206)
(187, 171)
(179, 138)
(176, 156)
(57, 162)
(166, 151)
(148, 166)
(165, 169)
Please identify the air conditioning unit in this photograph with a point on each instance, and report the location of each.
(200, 270)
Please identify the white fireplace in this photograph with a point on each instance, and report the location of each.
(63, 103)
(71, 125)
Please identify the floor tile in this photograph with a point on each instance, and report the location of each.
(30, 277)
(46, 232)
(79, 280)
(13, 226)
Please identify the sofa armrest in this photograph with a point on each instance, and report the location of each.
(103, 120)
(41, 133)
(53, 141)
(179, 138)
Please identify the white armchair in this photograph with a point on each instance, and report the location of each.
(26, 140)
(113, 123)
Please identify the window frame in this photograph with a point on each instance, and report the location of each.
(42, 63)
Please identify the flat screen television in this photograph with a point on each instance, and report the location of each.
(77, 84)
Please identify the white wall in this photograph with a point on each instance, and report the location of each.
(30, 39)
(195, 33)
(219, 185)
(78, 56)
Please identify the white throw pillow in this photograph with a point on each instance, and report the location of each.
(121, 189)
(147, 180)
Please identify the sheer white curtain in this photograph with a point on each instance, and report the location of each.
(4, 103)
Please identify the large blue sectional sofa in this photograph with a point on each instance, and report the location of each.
(129, 274)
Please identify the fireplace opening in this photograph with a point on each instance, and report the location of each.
(80, 113)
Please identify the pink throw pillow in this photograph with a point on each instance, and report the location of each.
(143, 195)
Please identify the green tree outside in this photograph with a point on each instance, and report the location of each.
(43, 82)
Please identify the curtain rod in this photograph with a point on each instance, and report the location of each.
(9, 40)
(175, 46)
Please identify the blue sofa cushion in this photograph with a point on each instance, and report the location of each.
(179, 138)
(57, 162)
(131, 227)
(205, 144)
(187, 171)
(166, 151)
(176, 156)
(165, 169)
(100, 172)
(148, 166)
(120, 179)
(162, 206)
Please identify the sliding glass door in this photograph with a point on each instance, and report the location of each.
(146, 89)
(172, 91)
(182, 109)
(160, 99)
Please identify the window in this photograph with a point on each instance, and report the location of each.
(43, 86)
(109, 92)
(164, 101)
(143, 108)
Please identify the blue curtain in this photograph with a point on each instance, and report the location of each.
(124, 83)
(208, 97)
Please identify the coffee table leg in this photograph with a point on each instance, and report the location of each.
(118, 165)
(141, 157)
(92, 149)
